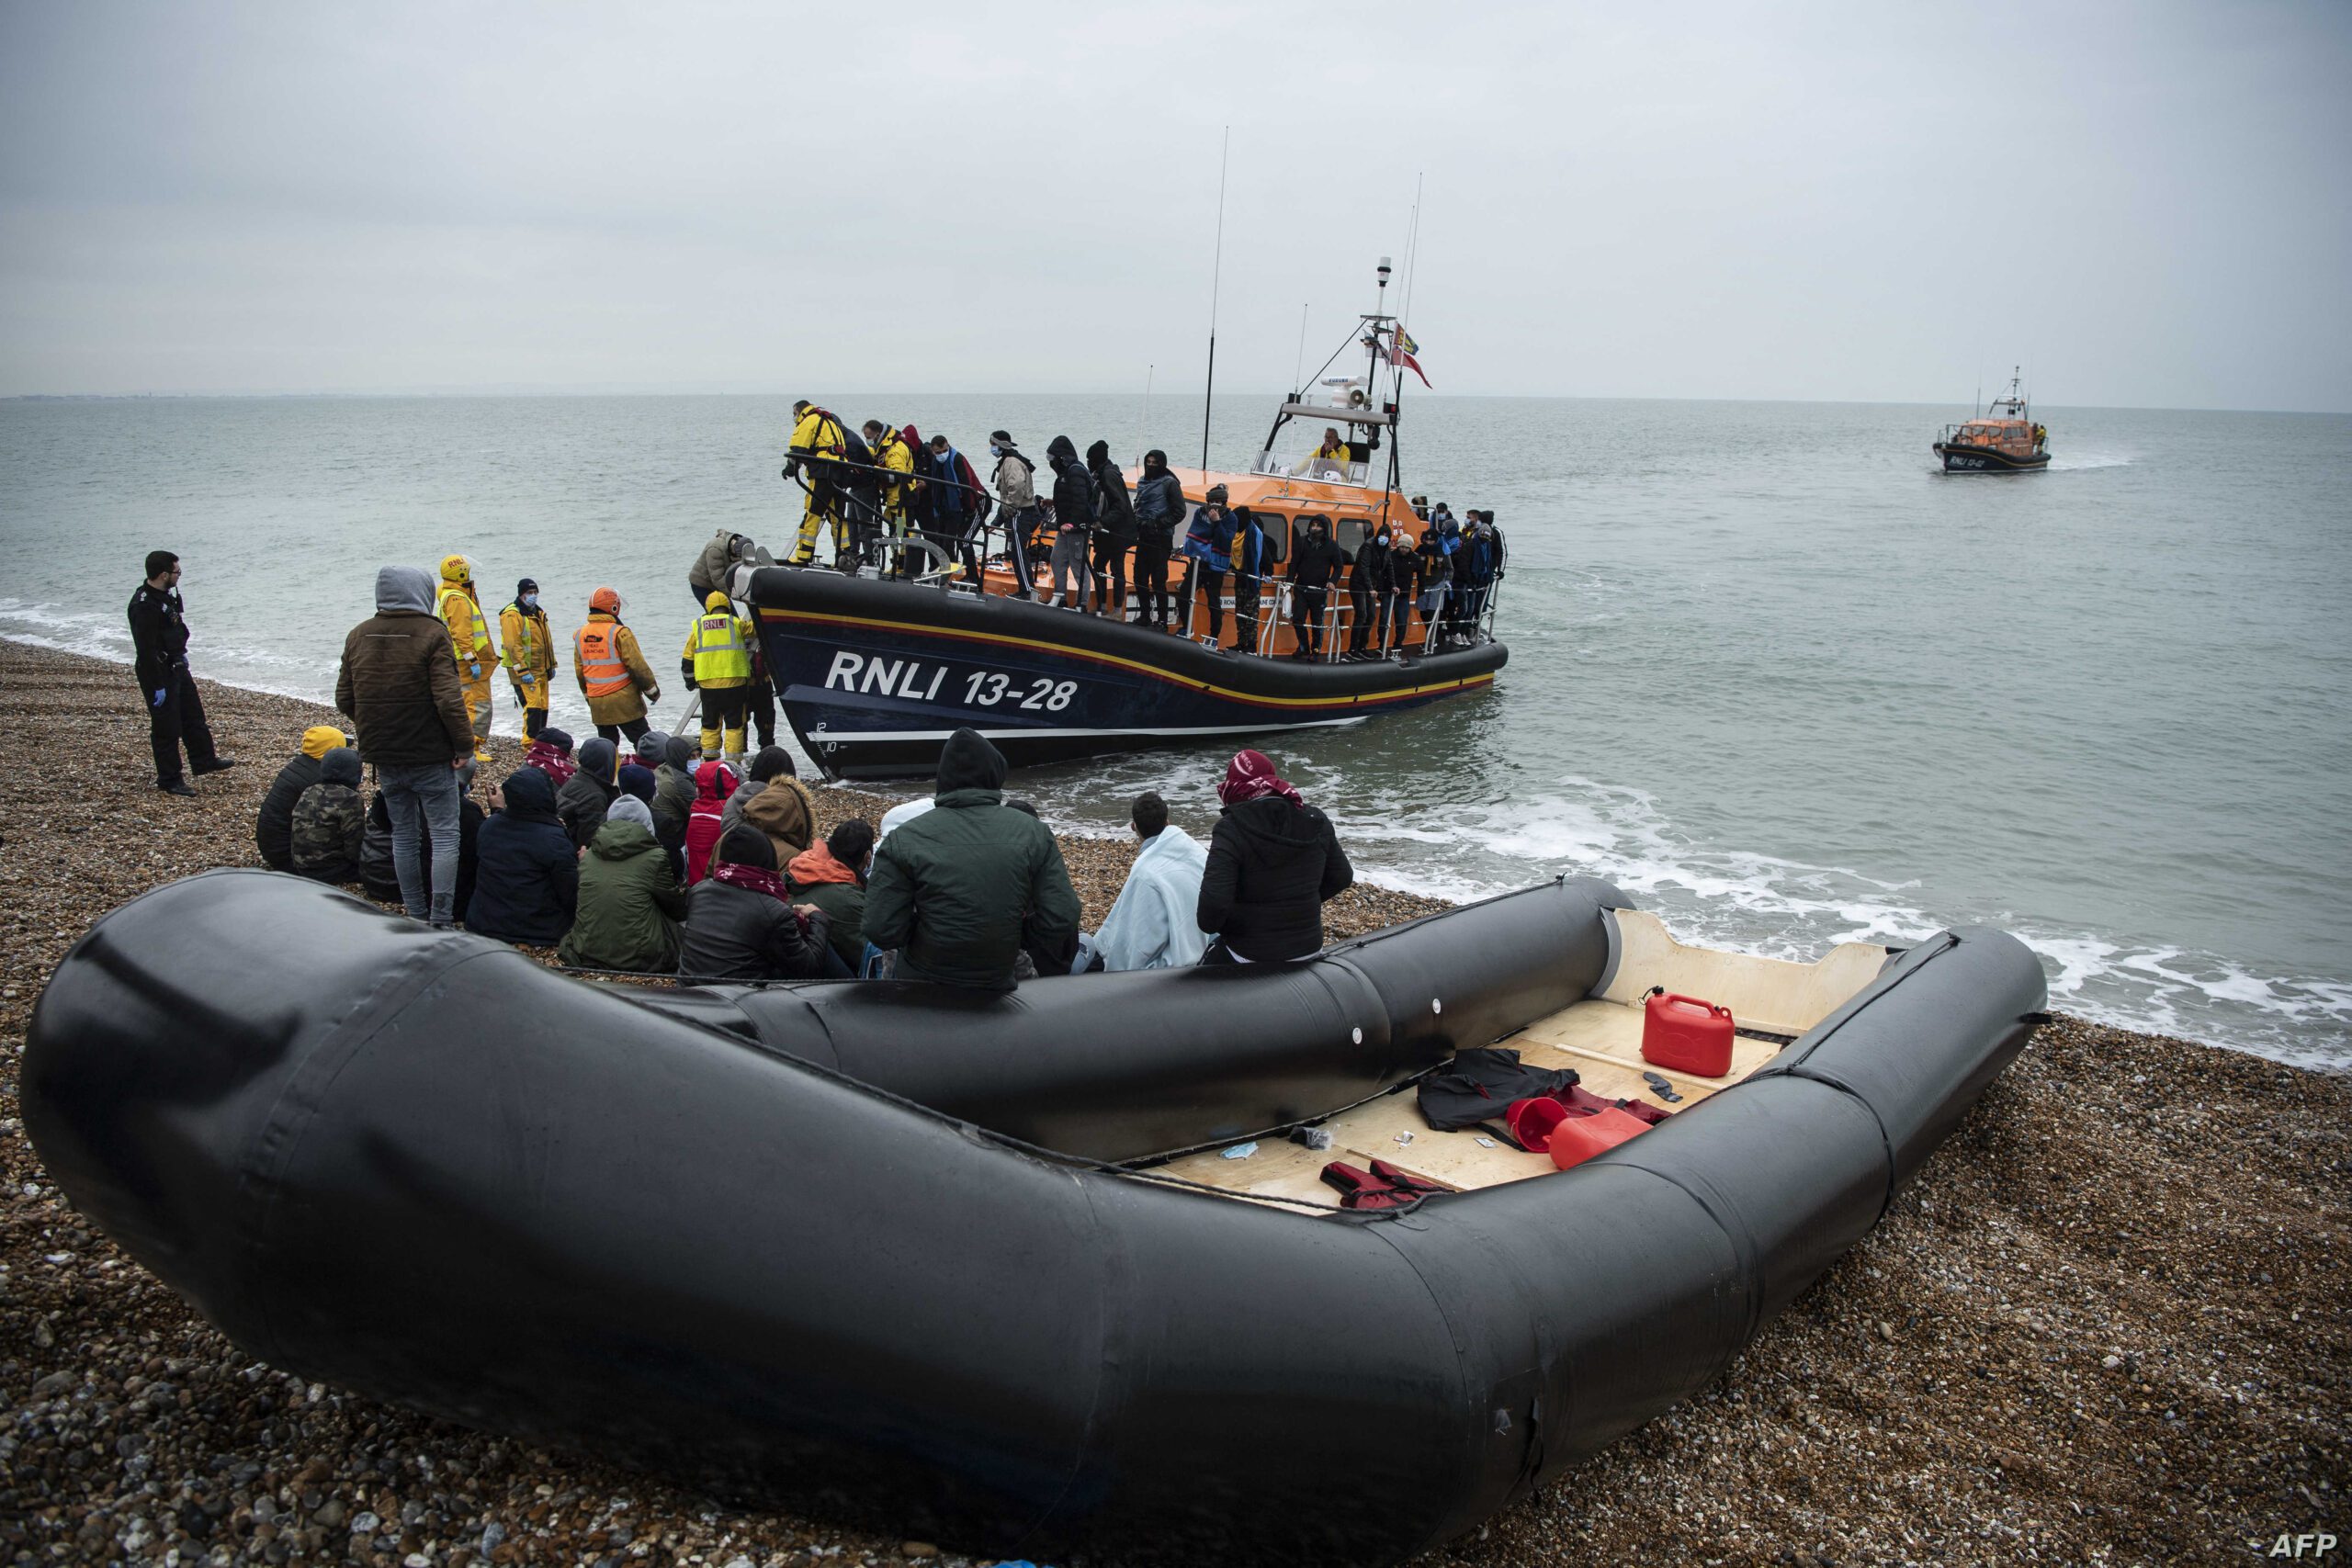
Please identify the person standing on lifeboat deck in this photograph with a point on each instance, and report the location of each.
(717, 662)
(1016, 494)
(612, 673)
(530, 655)
(892, 455)
(477, 655)
(818, 443)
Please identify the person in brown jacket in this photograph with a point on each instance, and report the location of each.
(399, 685)
(776, 803)
(612, 672)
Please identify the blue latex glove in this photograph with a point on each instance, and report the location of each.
(473, 669)
(158, 700)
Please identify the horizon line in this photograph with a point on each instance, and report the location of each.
(533, 390)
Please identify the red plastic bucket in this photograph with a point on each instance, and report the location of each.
(1531, 1121)
(1579, 1138)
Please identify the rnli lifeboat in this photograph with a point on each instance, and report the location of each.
(2003, 439)
(876, 665)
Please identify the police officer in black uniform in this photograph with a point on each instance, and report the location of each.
(174, 713)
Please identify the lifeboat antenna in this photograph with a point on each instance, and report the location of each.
(1216, 275)
(1298, 365)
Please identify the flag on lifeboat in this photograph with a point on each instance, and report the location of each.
(1401, 349)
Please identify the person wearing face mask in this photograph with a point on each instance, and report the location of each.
(1115, 531)
(1158, 508)
(1250, 564)
(1368, 593)
(1016, 494)
(1404, 586)
(1314, 565)
(530, 655)
(1208, 556)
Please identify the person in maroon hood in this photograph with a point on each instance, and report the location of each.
(1273, 863)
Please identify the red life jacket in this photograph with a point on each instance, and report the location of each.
(714, 781)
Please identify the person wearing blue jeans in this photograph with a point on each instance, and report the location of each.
(399, 683)
(425, 793)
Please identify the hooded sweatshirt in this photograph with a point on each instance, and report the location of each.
(399, 682)
(527, 878)
(330, 821)
(673, 791)
(962, 889)
(714, 783)
(586, 795)
(1270, 866)
(1114, 515)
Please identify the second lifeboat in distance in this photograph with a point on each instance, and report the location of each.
(874, 671)
(2004, 439)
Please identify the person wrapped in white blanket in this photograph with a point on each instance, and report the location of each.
(1152, 925)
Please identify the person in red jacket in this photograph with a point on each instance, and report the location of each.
(714, 781)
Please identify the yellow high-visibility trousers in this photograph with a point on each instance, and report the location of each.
(477, 713)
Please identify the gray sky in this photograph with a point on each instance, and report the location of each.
(2146, 203)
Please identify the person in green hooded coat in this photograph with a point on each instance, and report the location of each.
(962, 889)
(629, 904)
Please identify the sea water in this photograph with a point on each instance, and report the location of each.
(1770, 671)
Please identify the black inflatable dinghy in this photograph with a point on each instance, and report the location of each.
(860, 1248)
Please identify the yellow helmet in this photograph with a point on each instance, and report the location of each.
(718, 601)
(456, 569)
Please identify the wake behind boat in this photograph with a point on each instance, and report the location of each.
(876, 664)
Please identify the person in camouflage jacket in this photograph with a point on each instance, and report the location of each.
(330, 820)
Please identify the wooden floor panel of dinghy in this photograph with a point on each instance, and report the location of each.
(1601, 1037)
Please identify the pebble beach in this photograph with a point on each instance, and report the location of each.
(2106, 1324)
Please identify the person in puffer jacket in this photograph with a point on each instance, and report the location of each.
(714, 781)
(330, 821)
(741, 922)
(527, 874)
(1273, 863)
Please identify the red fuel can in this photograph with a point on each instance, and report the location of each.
(1686, 1035)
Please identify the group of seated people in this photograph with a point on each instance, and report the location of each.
(666, 863)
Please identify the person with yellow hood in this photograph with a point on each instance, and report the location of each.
(612, 672)
(818, 443)
(717, 663)
(477, 655)
(273, 826)
(530, 655)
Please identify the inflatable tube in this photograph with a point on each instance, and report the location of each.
(419, 1165)
(1123, 1067)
